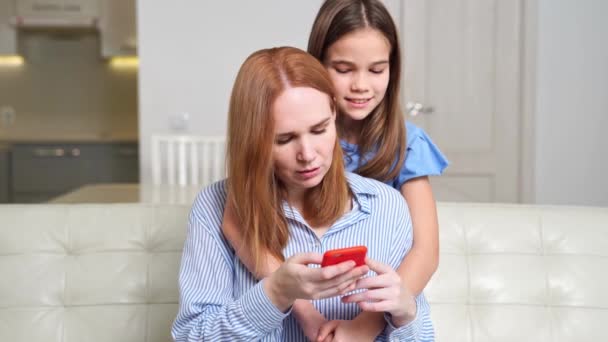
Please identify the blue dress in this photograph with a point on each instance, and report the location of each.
(422, 158)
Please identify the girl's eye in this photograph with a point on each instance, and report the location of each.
(377, 71)
(319, 131)
(342, 71)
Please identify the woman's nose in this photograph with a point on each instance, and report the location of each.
(306, 153)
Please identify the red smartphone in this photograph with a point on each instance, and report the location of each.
(336, 256)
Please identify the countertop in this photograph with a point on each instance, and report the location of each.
(7, 139)
(129, 193)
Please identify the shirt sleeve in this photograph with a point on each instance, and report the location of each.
(208, 310)
(418, 330)
(423, 157)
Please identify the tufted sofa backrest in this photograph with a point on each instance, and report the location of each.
(77, 273)
(521, 273)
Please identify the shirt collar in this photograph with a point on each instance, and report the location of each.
(362, 189)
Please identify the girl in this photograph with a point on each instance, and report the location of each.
(357, 42)
(285, 167)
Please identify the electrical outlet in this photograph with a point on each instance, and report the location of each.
(8, 115)
(179, 122)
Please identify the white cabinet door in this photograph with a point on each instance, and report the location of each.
(462, 77)
(118, 28)
(8, 35)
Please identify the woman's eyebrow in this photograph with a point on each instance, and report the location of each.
(284, 135)
(320, 124)
(317, 125)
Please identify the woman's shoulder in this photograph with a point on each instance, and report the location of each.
(382, 201)
(370, 187)
(213, 192)
(210, 201)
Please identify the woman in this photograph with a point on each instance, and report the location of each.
(358, 43)
(285, 169)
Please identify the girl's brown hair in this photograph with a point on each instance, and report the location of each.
(256, 195)
(383, 129)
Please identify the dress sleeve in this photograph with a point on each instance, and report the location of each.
(423, 157)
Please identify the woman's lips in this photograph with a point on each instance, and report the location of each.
(309, 173)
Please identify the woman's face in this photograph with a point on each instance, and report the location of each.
(358, 64)
(305, 136)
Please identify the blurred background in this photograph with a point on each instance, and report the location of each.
(515, 92)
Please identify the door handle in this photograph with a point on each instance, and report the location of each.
(415, 108)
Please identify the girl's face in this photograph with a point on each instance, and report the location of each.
(358, 64)
(305, 136)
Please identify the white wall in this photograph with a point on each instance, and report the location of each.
(572, 102)
(190, 52)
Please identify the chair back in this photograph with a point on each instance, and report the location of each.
(187, 160)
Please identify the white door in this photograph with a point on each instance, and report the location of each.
(462, 71)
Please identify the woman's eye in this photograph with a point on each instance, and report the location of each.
(282, 141)
(319, 131)
(375, 71)
(342, 71)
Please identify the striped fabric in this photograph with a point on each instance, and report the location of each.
(221, 301)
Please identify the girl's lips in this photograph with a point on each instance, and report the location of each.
(308, 174)
(358, 103)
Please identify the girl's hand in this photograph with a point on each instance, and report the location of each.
(353, 330)
(385, 293)
(309, 319)
(295, 280)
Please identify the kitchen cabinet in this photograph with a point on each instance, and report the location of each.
(4, 175)
(118, 28)
(8, 34)
(43, 171)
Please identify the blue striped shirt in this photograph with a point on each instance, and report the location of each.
(220, 300)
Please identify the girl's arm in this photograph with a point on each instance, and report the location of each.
(309, 318)
(419, 264)
(422, 260)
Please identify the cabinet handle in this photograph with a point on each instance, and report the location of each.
(45, 7)
(49, 152)
(127, 152)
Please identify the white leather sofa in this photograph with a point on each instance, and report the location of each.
(76, 273)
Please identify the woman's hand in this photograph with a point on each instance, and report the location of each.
(385, 293)
(295, 280)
